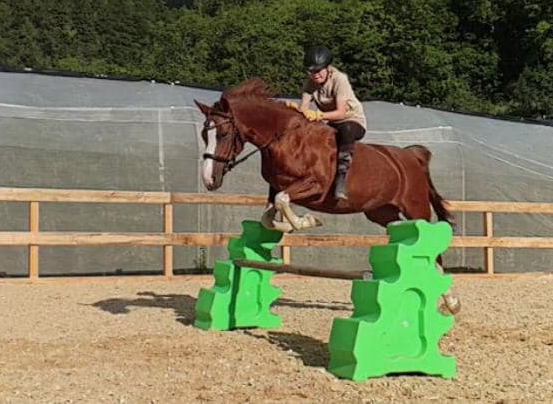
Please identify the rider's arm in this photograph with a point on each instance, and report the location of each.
(339, 113)
(305, 101)
(306, 95)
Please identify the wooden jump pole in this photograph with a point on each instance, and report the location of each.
(304, 270)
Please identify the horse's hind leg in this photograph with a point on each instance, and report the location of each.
(451, 301)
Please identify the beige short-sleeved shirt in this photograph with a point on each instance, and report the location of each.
(336, 87)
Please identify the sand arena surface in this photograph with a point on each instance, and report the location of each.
(131, 341)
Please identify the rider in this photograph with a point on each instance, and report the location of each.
(334, 97)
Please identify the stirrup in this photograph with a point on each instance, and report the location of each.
(340, 187)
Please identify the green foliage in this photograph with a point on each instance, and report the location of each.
(476, 55)
(533, 93)
(5, 25)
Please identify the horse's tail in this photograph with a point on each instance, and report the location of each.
(436, 200)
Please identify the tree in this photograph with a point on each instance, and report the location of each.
(476, 55)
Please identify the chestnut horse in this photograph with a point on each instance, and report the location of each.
(298, 160)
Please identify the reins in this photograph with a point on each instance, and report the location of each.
(232, 162)
(260, 149)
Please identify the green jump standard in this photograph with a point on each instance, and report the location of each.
(395, 326)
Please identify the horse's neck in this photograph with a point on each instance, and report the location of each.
(262, 139)
(261, 133)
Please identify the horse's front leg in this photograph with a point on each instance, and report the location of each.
(298, 191)
(268, 219)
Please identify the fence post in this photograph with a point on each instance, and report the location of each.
(488, 251)
(286, 256)
(285, 251)
(33, 249)
(168, 249)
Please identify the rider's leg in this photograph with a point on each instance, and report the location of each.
(347, 134)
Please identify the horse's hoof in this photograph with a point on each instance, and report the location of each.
(268, 224)
(452, 304)
(312, 220)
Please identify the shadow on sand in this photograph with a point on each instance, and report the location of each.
(182, 305)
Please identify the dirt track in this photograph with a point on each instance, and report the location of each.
(131, 342)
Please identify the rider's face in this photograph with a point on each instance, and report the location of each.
(319, 76)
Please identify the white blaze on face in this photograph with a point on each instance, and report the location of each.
(207, 169)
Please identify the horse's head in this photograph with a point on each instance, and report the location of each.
(244, 114)
(222, 143)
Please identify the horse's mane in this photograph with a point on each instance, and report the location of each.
(254, 92)
(254, 87)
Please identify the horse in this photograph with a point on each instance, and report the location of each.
(298, 161)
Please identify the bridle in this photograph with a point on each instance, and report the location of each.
(231, 162)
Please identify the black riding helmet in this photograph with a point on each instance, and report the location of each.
(317, 58)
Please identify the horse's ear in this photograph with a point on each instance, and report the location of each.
(225, 104)
(206, 109)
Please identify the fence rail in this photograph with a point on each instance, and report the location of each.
(167, 239)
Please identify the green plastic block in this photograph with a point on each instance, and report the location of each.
(241, 297)
(395, 326)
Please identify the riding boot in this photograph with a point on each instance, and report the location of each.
(344, 162)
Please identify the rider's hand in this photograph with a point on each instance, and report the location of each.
(293, 105)
(313, 115)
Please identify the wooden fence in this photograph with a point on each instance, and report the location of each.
(167, 239)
